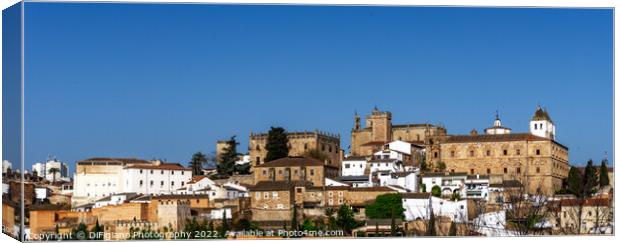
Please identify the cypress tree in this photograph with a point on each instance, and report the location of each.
(452, 231)
(590, 179)
(574, 181)
(277, 144)
(294, 218)
(603, 174)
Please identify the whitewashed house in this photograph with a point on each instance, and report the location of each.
(448, 182)
(420, 206)
(354, 166)
(477, 187)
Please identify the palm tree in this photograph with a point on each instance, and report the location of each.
(53, 171)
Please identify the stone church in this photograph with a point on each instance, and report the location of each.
(534, 158)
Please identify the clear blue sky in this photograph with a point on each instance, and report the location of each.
(165, 81)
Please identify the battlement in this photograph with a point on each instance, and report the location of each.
(304, 134)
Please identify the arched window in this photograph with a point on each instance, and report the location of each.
(535, 126)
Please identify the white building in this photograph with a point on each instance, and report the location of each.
(115, 199)
(541, 124)
(39, 168)
(62, 173)
(447, 182)
(419, 206)
(202, 185)
(354, 166)
(6, 165)
(96, 178)
(492, 224)
(477, 187)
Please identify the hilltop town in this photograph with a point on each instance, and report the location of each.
(393, 180)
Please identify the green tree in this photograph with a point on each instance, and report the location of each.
(574, 181)
(603, 174)
(308, 225)
(436, 191)
(383, 206)
(590, 178)
(226, 165)
(422, 187)
(224, 227)
(98, 230)
(277, 144)
(81, 232)
(54, 172)
(198, 159)
(345, 219)
(393, 226)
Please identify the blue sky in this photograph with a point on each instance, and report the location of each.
(165, 81)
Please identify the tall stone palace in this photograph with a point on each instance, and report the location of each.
(534, 158)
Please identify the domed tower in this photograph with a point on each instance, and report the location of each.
(497, 127)
(541, 124)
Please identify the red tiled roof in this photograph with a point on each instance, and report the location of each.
(497, 138)
(162, 166)
(122, 160)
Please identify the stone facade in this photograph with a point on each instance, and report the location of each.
(299, 144)
(379, 130)
(295, 169)
(173, 213)
(539, 163)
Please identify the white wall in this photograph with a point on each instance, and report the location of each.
(163, 181)
(419, 208)
(356, 167)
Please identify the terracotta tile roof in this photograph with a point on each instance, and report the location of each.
(162, 166)
(416, 195)
(372, 189)
(588, 202)
(277, 185)
(483, 138)
(292, 161)
(122, 160)
(196, 179)
(356, 158)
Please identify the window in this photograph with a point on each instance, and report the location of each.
(322, 147)
(257, 160)
(471, 153)
(518, 152)
(305, 146)
(330, 148)
(257, 195)
(182, 172)
(452, 171)
(162, 172)
(488, 152)
(537, 151)
(264, 172)
(162, 183)
(140, 171)
(518, 170)
(340, 201)
(182, 183)
(266, 195)
(505, 152)
(435, 154)
(298, 190)
(151, 172)
(274, 194)
(341, 194)
(311, 172)
(151, 183)
(331, 194)
(452, 153)
(347, 165)
(471, 171)
(172, 172)
(537, 169)
(330, 201)
(258, 147)
(172, 183)
(141, 182)
(488, 171)
(279, 172)
(505, 170)
(535, 126)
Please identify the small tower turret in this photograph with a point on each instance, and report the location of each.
(541, 124)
